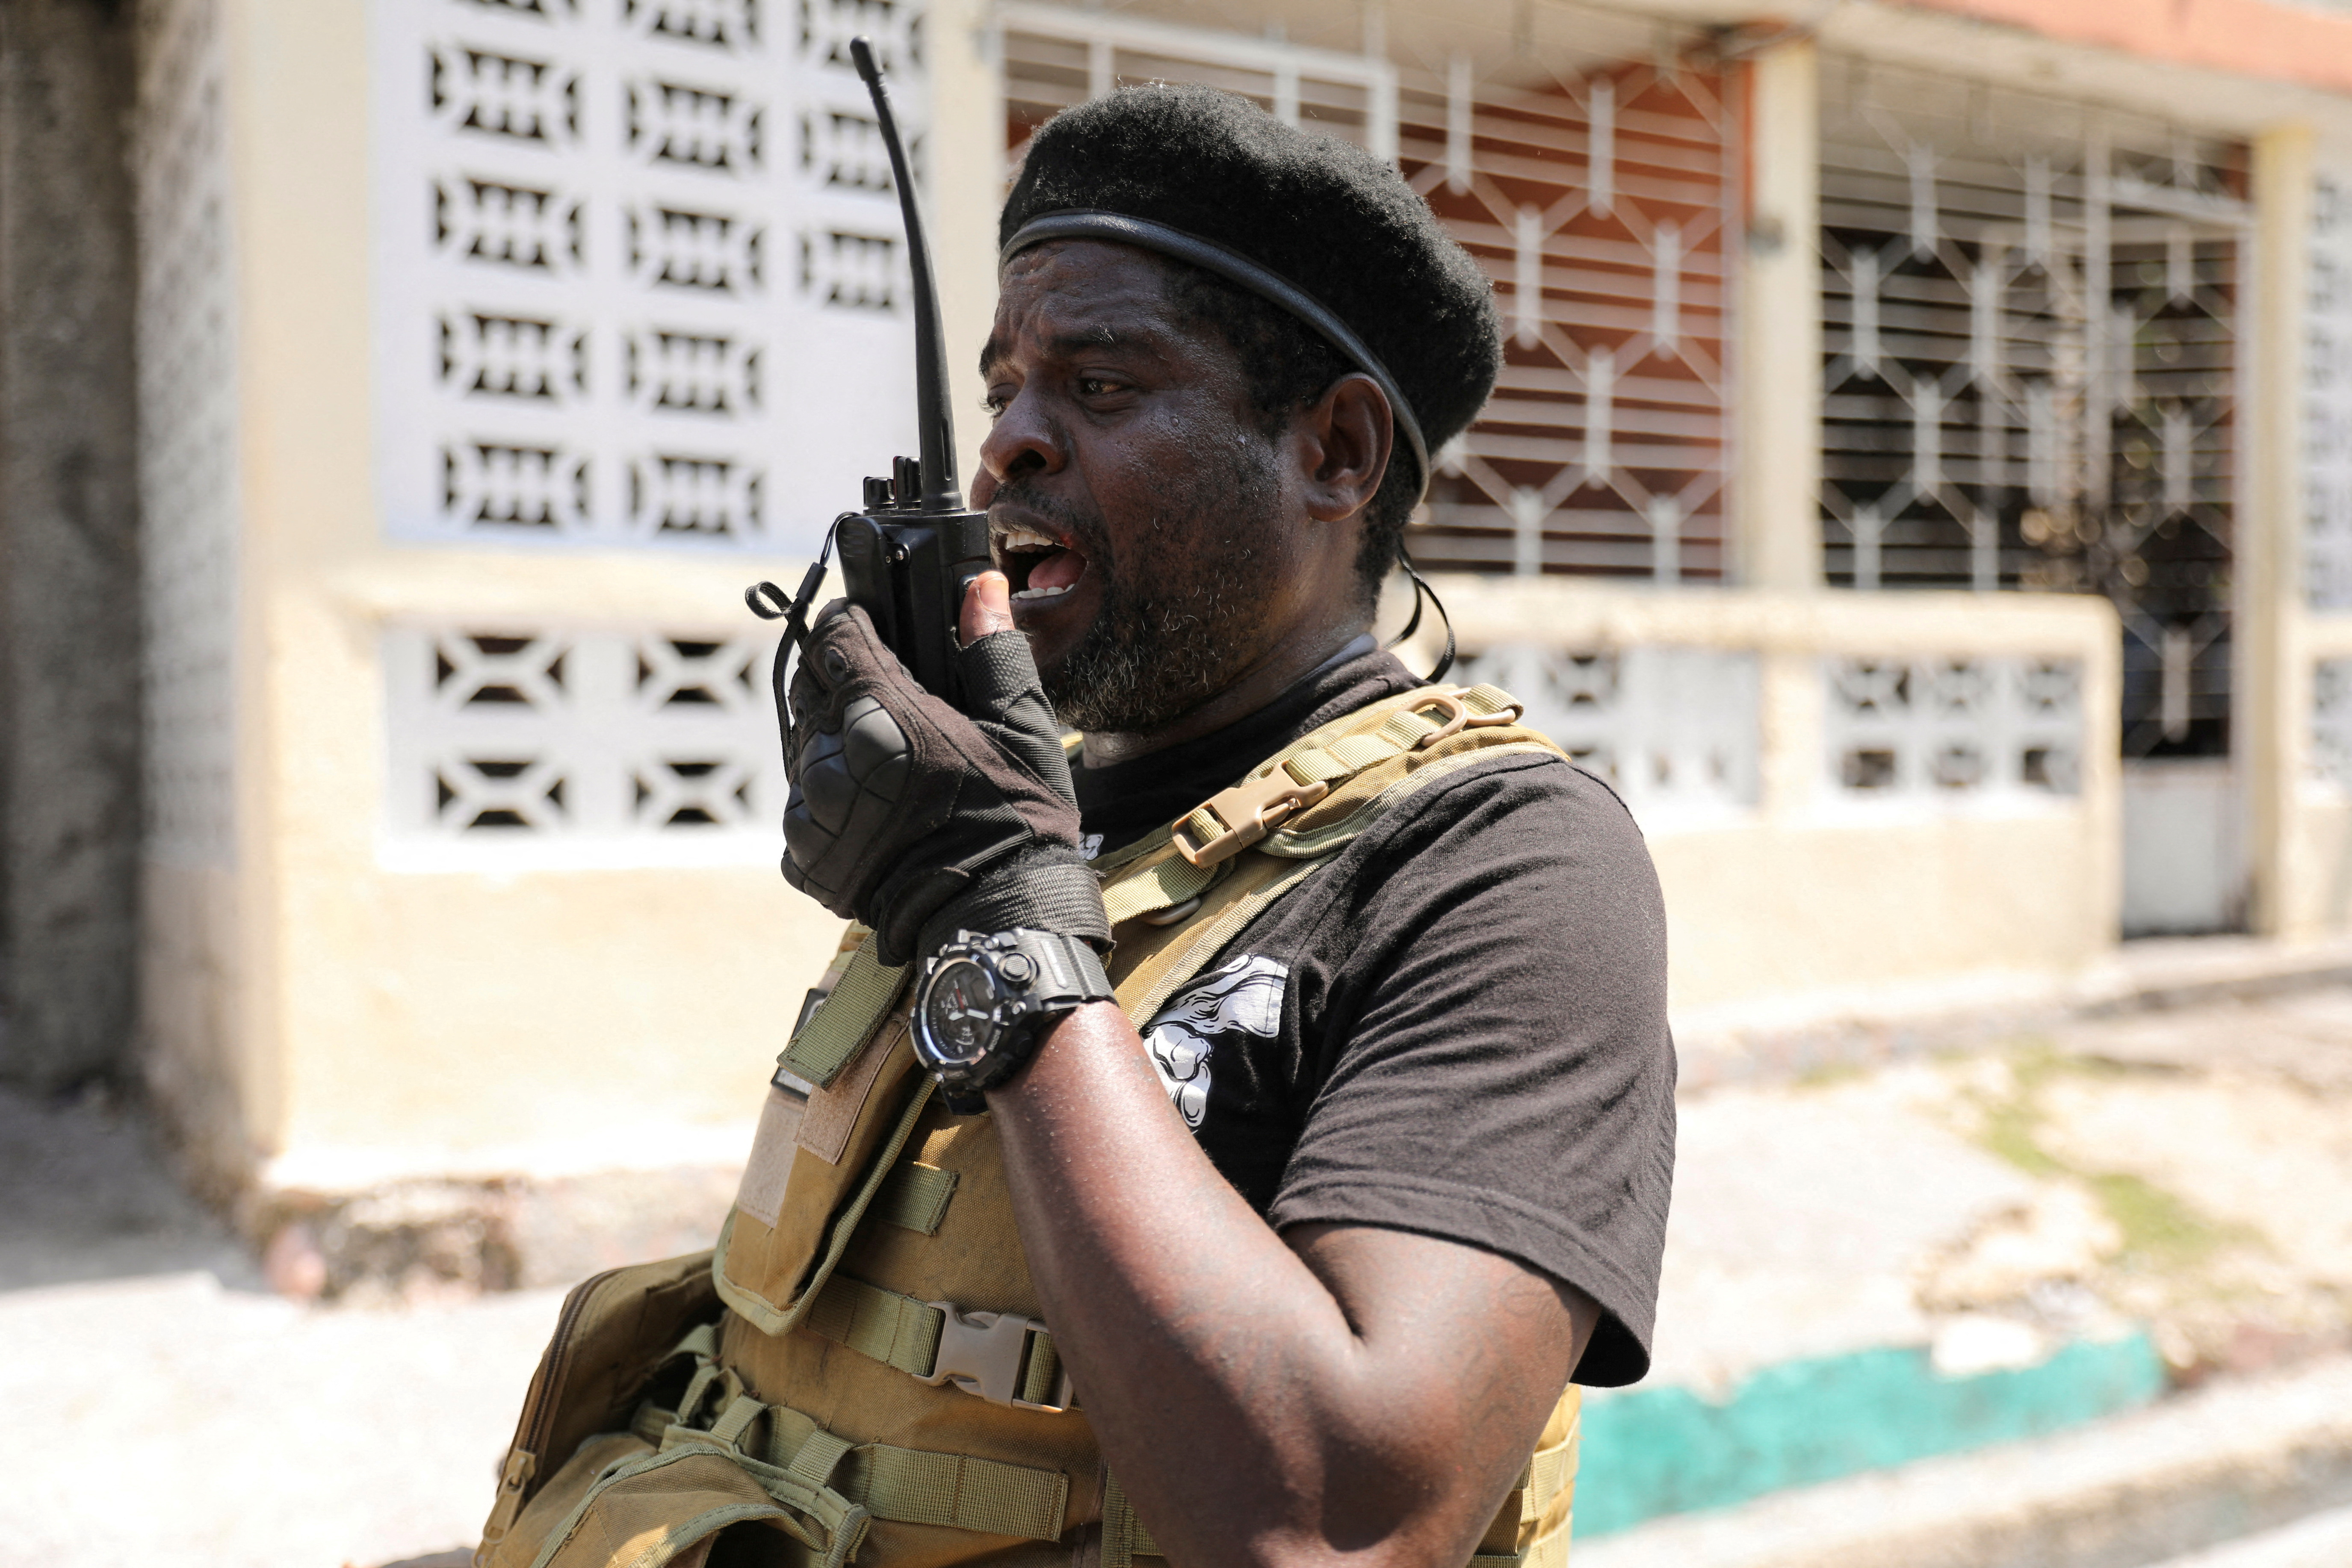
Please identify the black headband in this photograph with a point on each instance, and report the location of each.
(1233, 268)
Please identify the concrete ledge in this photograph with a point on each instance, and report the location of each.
(2195, 1471)
(417, 1240)
(1778, 1038)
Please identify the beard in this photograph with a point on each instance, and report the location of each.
(1185, 608)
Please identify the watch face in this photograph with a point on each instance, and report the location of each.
(958, 1019)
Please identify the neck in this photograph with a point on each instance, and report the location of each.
(1282, 667)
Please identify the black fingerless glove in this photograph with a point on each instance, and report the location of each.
(918, 820)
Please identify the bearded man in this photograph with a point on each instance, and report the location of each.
(1279, 1241)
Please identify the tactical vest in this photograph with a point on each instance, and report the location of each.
(880, 1387)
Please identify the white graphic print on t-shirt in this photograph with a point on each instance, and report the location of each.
(1243, 995)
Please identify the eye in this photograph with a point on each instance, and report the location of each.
(1098, 387)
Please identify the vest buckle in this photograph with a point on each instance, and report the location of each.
(981, 1352)
(1247, 813)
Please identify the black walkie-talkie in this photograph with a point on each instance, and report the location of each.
(908, 556)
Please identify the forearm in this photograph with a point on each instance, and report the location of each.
(1248, 1416)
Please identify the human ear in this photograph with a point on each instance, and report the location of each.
(1347, 436)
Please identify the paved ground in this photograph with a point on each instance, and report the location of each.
(2191, 1171)
(173, 1415)
(180, 1422)
(2323, 1540)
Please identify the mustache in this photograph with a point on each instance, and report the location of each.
(1083, 524)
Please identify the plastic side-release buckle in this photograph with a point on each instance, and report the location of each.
(985, 1353)
(1249, 810)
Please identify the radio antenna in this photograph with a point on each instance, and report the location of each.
(940, 492)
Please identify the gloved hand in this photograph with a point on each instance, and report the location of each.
(919, 820)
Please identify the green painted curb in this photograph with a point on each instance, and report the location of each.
(1658, 1451)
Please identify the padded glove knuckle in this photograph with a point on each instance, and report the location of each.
(874, 749)
(825, 787)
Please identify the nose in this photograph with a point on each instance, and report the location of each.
(1023, 442)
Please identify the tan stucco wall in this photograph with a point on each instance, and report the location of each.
(1758, 914)
(1809, 896)
(2315, 850)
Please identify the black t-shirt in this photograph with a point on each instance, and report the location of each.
(1456, 1027)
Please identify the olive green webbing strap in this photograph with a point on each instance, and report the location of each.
(845, 1020)
(904, 1332)
(1124, 1539)
(1151, 877)
(1143, 992)
(1402, 729)
(883, 1325)
(1156, 885)
(915, 1196)
(1310, 843)
(809, 1468)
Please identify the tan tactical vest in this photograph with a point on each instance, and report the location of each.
(883, 1389)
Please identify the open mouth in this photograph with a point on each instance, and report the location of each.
(1040, 568)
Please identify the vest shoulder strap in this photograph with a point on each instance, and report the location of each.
(1178, 896)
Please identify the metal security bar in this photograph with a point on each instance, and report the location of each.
(1057, 56)
(2029, 322)
(1599, 203)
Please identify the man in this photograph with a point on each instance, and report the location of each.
(1370, 1154)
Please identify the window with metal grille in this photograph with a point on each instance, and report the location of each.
(1598, 204)
(1057, 56)
(1596, 199)
(2029, 323)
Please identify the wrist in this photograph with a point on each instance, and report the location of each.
(1049, 888)
(987, 1001)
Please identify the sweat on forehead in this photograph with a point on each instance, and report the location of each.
(1073, 295)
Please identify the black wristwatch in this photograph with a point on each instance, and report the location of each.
(986, 1001)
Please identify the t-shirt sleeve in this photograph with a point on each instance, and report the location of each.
(1497, 1068)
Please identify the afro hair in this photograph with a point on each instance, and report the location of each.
(1324, 213)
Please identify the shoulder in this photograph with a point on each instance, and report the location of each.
(1515, 810)
(1517, 862)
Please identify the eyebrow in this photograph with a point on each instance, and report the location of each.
(1064, 344)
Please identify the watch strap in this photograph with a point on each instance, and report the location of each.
(1071, 972)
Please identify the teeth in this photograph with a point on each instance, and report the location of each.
(1016, 537)
(1040, 592)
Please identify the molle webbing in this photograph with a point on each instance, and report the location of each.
(1163, 884)
(901, 1331)
(845, 1020)
(915, 1196)
(828, 1479)
(1217, 872)
(1255, 885)
(1318, 765)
